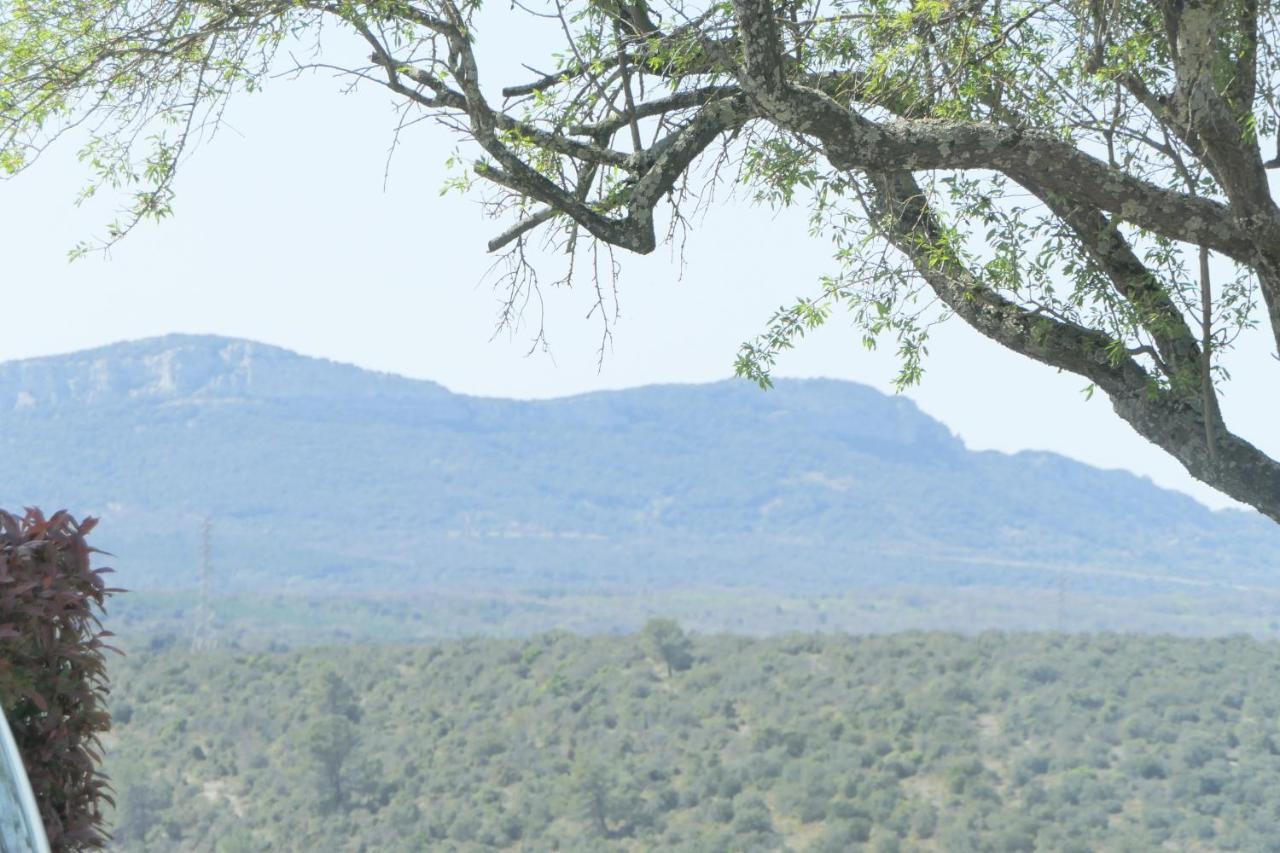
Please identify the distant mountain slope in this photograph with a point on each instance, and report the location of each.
(322, 475)
(191, 369)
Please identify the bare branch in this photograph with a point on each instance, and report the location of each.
(523, 227)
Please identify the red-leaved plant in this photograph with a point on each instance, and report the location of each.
(53, 681)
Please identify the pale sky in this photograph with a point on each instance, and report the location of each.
(284, 234)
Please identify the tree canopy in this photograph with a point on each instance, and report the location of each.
(1083, 182)
(917, 742)
(670, 643)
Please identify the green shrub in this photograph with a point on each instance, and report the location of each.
(53, 681)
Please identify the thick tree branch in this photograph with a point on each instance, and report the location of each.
(1138, 286)
(1166, 418)
(1038, 160)
(1230, 146)
(524, 226)
(903, 211)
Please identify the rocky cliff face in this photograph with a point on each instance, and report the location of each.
(188, 368)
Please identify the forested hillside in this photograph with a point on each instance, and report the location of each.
(350, 505)
(802, 742)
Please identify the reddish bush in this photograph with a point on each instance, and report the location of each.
(53, 682)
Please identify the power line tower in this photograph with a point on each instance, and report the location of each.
(1062, 600)
(203, 638)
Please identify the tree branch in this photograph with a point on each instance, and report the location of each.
(1111, 253)
(1165, 418)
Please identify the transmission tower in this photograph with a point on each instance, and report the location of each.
(202, 638)
(1062, 600)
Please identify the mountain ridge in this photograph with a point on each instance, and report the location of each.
(158, 351)
(325, 476)
(168, 366)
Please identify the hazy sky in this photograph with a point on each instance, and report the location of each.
(284, 234)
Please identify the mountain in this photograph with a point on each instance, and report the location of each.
(325, 479)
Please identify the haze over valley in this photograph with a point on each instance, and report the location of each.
(346, 504)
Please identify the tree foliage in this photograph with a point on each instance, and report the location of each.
(804, 742)
(1082, 182)
(669, 643)
(53, 682)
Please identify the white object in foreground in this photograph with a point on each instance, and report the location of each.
(21, 830)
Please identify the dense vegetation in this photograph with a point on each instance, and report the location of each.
(808, 742)
(53, 674)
